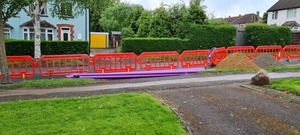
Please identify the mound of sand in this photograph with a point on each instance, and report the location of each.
(237, 61)
(267, 61)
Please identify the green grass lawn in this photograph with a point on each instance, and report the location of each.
(220, 71)
(284, 68)
(292, 68)
(290, 85)
(48, 83)
(109, 114)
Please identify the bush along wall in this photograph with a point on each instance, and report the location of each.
(262, 34)
(208, 36)
(26, 47)
(64, 47)
(19, 47)
(139, 45)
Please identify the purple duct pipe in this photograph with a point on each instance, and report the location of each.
(129, 76)
(165, 72)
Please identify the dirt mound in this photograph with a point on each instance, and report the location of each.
(267, 61)
(237, 61)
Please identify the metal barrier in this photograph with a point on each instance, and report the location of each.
(218, 55)
(195, 58)
(291, 52)
(159, 60)
(53, 65)
(276, 51)
(20, 66)
(114, 62)
(249, 51)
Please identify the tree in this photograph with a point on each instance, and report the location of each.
(160, 23)
(196, 12)
(97, 7)
(8, 9)
(127, 33)
(178, 20)
(265, 17)
(60, 8)
(119, 16)
(144, 23)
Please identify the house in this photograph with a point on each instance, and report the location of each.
(52, 28)
(242, 20)
(285, 13)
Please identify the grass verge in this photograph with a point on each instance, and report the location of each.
(290, 85)
(49, 83)
(273, 69)
(109, 114)
(220, 71)
(284, 68)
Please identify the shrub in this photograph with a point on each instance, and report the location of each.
(139, 45)
(208, 36)
(26, 47)
(127, 33)
(262, 34)
(19, 47)
(64, 47)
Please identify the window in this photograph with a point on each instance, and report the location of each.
(66, 9)
(274, 15)
(28, 34)
(291, 13)
(46, 34)
(7, 33)
(43, 11)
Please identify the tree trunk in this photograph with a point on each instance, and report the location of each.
(3, 60)
(37, 31)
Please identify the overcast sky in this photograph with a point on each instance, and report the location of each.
(220, 8)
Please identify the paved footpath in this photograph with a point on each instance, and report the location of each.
(162, 84)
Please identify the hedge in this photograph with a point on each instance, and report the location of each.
(262, 34)
(139, 45)
(208, 36)
(19, 47)
(64, 47)
(26, 47)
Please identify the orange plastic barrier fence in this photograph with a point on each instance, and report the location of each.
(159, 60)
(291, 51)
(195, 58)
(20, 66)
(114, 62)
(218, 55)
(249, 51)
(276, 51)
(54, 65)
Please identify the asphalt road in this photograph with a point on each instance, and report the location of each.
(229, 109)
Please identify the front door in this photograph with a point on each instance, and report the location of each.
(65, 34)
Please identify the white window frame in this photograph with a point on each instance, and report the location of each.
(7, 31)
(28, 33)
(274, 15)
(45, 10)
(46, 33)
(291, 13)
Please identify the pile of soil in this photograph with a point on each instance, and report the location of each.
(267, 61)
(237, 61)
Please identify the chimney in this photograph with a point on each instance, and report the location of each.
(257, 13)
(240, 15)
